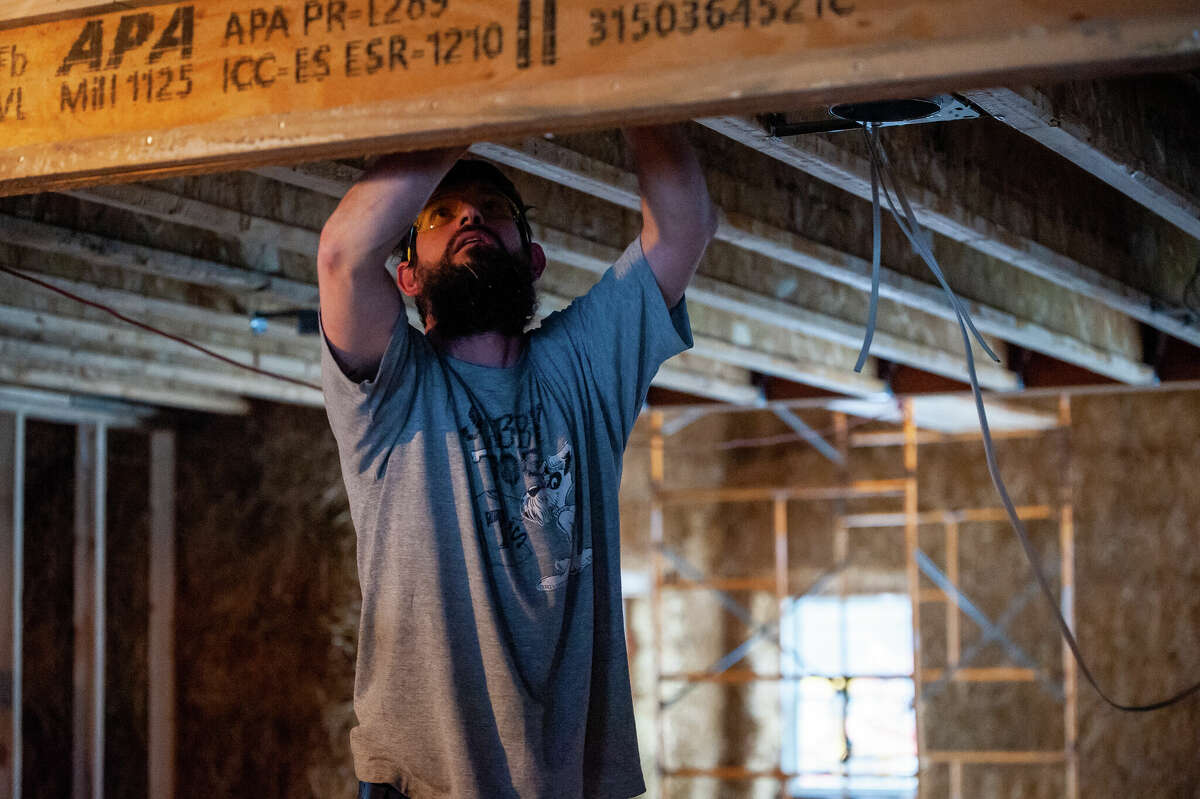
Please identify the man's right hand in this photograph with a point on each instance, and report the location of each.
(360, 302)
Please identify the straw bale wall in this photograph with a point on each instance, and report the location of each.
(268, 601)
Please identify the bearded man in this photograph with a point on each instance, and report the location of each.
(482, 464)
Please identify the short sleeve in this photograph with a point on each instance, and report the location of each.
(359, 410)
(625, 331)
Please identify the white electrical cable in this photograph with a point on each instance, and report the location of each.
(876, 259)
(881, 171)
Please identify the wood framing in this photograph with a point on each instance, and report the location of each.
(1066, 543)
(912, 574)
(958, 667)
(87, 757)
(657, 478)
(946, 216)
(1032, 113)
(605, 182)
(188, 86)
(553, 162)
(12, 431)
(161, 635)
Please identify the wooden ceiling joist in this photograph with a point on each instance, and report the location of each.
(169, 207)
(581, 253)
(745, 343)
(1033, 114)
(725, 296)
(194, 373)
(78, 357)
(692, 374)
(207, 89)
(81, 334)
(553, 162)
(945, 216)
(149, 260)
(78, 378)
(204, 325)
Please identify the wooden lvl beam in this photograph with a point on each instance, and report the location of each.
(214, 85)
(1029, 111)
(830, 163)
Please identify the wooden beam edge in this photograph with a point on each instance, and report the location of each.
(460, 118)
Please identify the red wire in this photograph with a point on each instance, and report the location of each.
(152, 329)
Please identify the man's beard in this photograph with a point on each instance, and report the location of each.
(492, 291)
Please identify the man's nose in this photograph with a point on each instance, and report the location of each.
(468, 214)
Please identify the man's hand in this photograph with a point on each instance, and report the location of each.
(360, 303)
(678, 218)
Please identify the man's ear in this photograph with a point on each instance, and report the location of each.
(537, 260)
(406, 278)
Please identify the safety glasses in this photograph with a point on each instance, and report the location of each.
(492, 206)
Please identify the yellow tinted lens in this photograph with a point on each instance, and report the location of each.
(437, 214)
(492, 206)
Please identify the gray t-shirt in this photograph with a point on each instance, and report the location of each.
(491, 659)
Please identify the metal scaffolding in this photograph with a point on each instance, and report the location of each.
(671, 572)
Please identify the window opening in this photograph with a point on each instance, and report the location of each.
(850, 729)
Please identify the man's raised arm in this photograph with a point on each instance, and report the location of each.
(678, 218)
(359, 300)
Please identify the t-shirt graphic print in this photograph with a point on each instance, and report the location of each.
(525, 497)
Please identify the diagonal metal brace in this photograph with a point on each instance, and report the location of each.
(767, 630)
(1018, 603)
(811, 436)
(930, 569)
